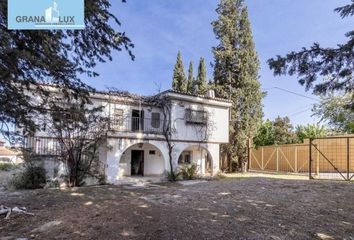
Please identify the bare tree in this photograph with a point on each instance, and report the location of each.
(80, 130)
(163, 102)
(203, 130)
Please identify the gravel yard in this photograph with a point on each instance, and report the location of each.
(252, 206)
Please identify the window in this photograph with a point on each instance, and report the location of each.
(137, 120)
(117, 117)
(152, 152)
(185, 158)
(196, 116)
(155, 120)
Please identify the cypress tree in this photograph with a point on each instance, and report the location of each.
(190, 82)
(179, 81)
(236, 67)
(201, 81)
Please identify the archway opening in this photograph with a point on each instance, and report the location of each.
(142, 159)
(200, 156)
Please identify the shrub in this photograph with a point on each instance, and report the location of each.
(31, 178)
(173, 176)
(52, 184)
(189, 172)
(102, 180)
(6, 166)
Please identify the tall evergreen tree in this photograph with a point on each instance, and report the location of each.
(236, 69)
(201, 81)
(190, 82)
(283, 131)
(179, 81)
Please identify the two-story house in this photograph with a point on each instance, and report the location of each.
(136, 138)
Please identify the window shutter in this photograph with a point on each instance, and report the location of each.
(155, 120)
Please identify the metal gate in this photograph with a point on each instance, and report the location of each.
(331, 158)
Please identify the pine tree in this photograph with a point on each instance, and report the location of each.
(236, 69)
(179, 81)
(323, 69)
(30, 58)
(190, 82)
(201, 81)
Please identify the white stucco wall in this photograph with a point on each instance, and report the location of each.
(153, 164)
(127, 107)
(199, 156)
(11, 159)
(218, 117)
(199, 153)
(118, 157)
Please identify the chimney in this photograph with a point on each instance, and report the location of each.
(210, 94)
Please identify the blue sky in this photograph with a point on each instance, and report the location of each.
(159, 28)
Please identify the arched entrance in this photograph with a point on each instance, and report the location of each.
(197, 155)
(142, 159)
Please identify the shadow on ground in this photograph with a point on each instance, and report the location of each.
(240, 207)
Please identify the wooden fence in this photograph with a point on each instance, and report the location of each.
(332, 158)
(282, 158)
(328, 155)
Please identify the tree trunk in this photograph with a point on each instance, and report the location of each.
(170, 158)
(230, 162)
(244, 166)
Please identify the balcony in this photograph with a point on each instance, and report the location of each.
(50, 146)
(137, 124)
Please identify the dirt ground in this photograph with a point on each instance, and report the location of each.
(253, 206)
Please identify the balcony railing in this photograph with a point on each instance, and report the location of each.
(137, 124)
(50, 145)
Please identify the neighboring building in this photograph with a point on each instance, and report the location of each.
(137, 145)
(8, 155)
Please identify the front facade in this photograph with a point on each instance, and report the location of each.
(136, 145)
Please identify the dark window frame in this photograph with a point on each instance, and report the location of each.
(185, 157)
(155, 121)
(196, 116)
